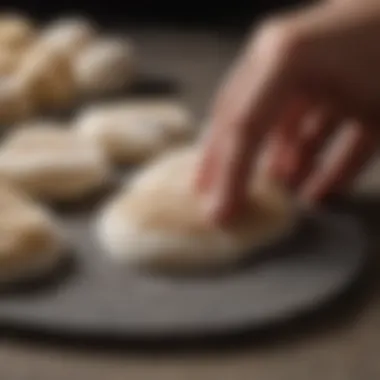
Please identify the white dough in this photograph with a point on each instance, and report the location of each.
(133, 131)
(105, 65)
(52, 163)
(68, 35)
(158, 221)
(31, 241)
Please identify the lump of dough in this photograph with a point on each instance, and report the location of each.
(131, 132)
(158, 221)
(48, 77)
(52, 163)
(105, 65)
(17, 32)
(68, 35)
(15, 103)
(31, 240)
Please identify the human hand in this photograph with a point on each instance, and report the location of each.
(303, 77)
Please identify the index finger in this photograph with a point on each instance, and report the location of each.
(243, 125)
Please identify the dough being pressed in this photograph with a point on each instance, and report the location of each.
(131, 132)
(52, 163)
(105, 65)
(47, 76)
(68, 35)
(158, 221)
(17, 32)
(31, 240)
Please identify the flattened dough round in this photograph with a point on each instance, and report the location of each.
(131, 132)
(157, 221)
(31, 239)
(105, 65)
(68, 35)
(52, 163)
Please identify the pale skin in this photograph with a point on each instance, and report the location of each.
(303, 78)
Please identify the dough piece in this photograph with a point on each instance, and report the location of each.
(48, 77)
(52, 163)
(105, 65)
(9, 61)
(133, 131)
(31, 241)
(16, 32)
(68, 35)
(15, 104)
(158, 221)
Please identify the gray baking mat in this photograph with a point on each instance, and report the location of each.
(98, 299)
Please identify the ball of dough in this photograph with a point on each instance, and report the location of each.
(17, 32)
(48, 77)
(105, 65)
(133, 131)
(68, 35)
(52, 163)
(15, 103)
(31, 240)
(158, 221)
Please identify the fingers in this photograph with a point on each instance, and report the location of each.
(205, 173)
(309, 144)
(243, 127)
(283, 139)
(216, 127)
(359, 145)
(247, 105)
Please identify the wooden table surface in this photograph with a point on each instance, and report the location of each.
(342, 344)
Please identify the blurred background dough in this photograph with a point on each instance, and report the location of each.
(17, 31)
(15, 103)
(31, 241)
(47, 76)
(133, 131)
(107, 64)
(9, 61)
(68, 35)
(158, 221)
(52, 163)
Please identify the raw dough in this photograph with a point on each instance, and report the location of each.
(15, 104)
(47, 75)
(133, 131)
(17, 32)
(52, 163)
(105, 65)
(158, 221)
(68, 35)
(9, 61)
(31, 241)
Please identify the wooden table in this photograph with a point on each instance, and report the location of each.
(343, 344)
